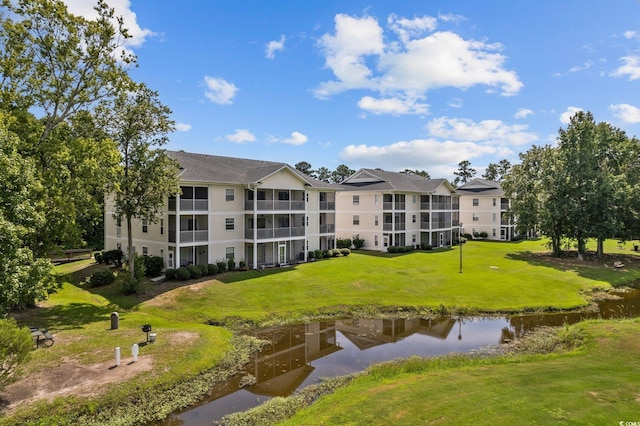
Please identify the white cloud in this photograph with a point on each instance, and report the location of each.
(627, 113)
(489, 132)
(274, 46)
(241, 136)
(437, 157)
(121, 8)
(523, 113)
(394, 106)
(219, 91)
(456, 103)
(296, 138)
(182, 127)
(565, 117)
(362, 56)
(630, 35)
(630, 68)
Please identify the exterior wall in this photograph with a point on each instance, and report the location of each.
(196, 231)
(487, 216)
(399, 223)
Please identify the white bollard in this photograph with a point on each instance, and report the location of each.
(117, 356)
(134, 352)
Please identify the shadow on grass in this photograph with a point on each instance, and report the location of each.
(591, 267)
(387, 255)
(64, 317)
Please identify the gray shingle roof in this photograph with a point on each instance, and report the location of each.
(481, 187)
(381, 180)
(231, 170)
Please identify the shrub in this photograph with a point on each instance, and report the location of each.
(242, 265)
(183, 274)
(113, 256)
(392, 249)
(326, 253)
(317, 254)
(343, 243)
(484, 234)
(311, 254)
(212, 269)
(402, 249)
(427, 247)
(153, 265)
(345, 251)
(222, 266)
(358, 242)
(231, 264)
(467, 236)
(101, 277)
(98, 256)
(170, 273)
(204, 270)
(195, 271)
(15, 350)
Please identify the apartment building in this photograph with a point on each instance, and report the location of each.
(264, 213)
(483, 208)
(397, 209)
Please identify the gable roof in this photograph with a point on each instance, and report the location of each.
(232, 170)
(481, 187)
(381, 180)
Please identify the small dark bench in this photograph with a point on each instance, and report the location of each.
(41, 337)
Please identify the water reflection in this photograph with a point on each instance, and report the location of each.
(298, 355)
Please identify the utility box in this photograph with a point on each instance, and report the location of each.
(115, 320)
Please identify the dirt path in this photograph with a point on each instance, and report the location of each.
(70, 378)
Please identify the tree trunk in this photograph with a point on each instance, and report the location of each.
(600, 249)
(131, 254)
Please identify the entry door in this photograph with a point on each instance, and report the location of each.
(282, 253)
(441, 239)
(170, 261)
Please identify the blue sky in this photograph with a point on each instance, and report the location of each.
(390, 84)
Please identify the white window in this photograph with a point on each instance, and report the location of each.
(230, 223)
(229, 194)
(145, 251)
(413, 218)
(494, 202)
(494, 216)
(356, 200)
(413, 238)
(119, 246)
(356, 219)
(475, 202)
(118, 227)
(475, 217)
(375, 199)
(145, 225)
(376, 220)
(375, 240)
(414, 199)
(494, 232)
(230, 253)
(161, 226)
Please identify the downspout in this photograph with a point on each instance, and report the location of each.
(177, 253)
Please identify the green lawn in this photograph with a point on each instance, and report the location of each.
(596, 385)
(496, 277)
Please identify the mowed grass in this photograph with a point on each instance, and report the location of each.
(595, 385)
(496, 276)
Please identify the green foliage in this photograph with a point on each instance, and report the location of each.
(393, 249)
(317, 254)
(231, 264)
(222, 266)
(194, 271)
(183, 273)
(131, 284)
(170, 273)
(204, 270)
(345, 252)
(212, 269)
(15, 350)
(358, 242)
(101, 278)
(343, 243)
(153, 265)
(98, 257)
(113, 257)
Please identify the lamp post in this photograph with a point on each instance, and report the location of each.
(460, 244)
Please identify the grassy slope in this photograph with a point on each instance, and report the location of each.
(496, 277)
(597, 385)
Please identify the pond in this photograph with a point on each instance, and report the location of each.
(301, 354)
